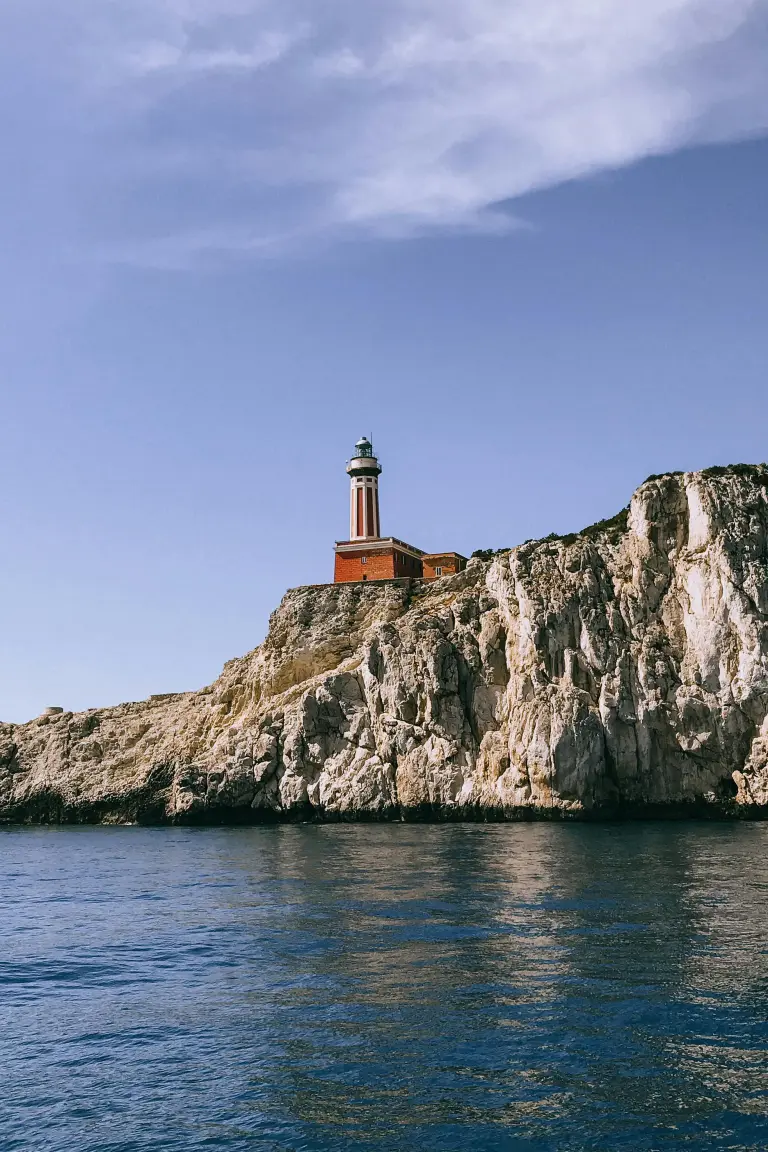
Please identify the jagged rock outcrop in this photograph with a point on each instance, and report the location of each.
(620, 670)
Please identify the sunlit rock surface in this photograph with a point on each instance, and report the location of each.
(617, 671)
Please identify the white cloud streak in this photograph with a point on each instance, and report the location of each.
(290, 119)
(162, 57)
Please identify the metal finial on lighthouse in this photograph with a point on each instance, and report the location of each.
(364, 471)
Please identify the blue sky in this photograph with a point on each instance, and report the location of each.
(522, 245)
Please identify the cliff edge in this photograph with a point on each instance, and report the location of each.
(621, 670)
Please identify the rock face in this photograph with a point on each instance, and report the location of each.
(621, 670)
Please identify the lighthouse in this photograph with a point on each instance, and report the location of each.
(364, 471)
(368, 555)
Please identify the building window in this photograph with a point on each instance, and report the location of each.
(438, 571)
(363, 559)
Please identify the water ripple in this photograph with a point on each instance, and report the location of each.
(532, 987)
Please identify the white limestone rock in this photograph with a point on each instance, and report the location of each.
(619, 669)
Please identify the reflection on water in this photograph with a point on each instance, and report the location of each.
(431, 987)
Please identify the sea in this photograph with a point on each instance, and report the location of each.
(384, 986)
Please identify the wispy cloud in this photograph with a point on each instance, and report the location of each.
(160, 56)
(288, 118)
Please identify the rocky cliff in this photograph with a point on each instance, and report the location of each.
(620, 670)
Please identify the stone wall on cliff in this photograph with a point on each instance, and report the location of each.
(619, 670)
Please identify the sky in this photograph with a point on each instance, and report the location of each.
(522, 244)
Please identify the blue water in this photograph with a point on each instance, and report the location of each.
(388, 987)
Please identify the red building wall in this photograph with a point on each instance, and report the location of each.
(380, 565)
(449, 562)
(351, 566)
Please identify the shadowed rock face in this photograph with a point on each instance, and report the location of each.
(623, 669)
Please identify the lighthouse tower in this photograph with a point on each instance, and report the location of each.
(367, 555)
(364, 471)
